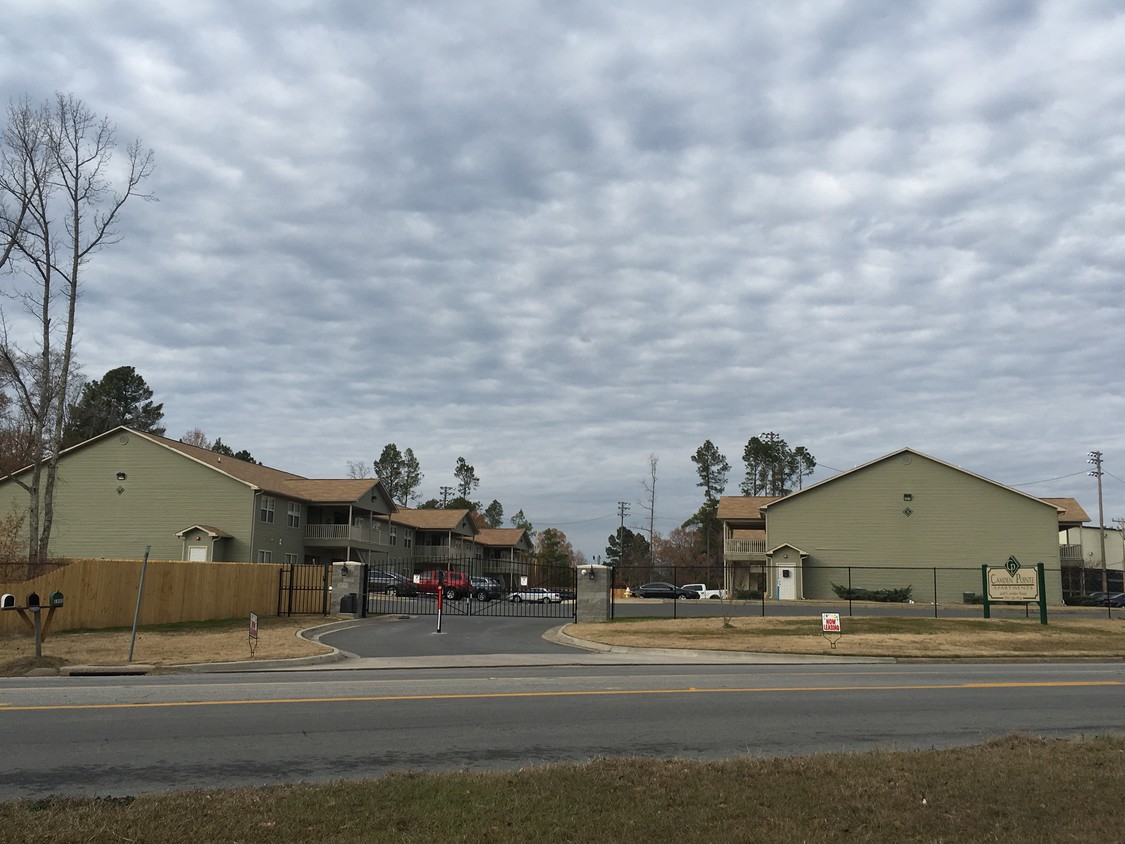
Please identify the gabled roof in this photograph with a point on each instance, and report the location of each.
(501, 537)
(265, 478)
(434, 519)
(910, 451)
(337, 491)
(743, 507)
(777, 548)
(213, 532)
(1072, 513)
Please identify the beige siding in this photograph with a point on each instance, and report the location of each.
(99, 516)
(957, 521)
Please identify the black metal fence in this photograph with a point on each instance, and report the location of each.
(748, 588)
(501, 589)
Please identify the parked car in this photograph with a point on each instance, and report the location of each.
(1115, 600)
(705, 593)
(392, 583)
(660, 589)
(537, 594)
(486, 588)
(566, 593)
(454, 585)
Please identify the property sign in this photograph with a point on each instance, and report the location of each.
(1012, 583)
(830, 622)
(253, 626)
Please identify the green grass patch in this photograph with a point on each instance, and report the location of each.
(1015, 789)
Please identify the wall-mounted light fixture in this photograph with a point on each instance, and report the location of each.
(121, 476)
(906, 496)
(590, 573)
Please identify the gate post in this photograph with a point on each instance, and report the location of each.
(347, 588)
(593, 593)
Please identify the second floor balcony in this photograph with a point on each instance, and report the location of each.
(744, 549)
(345, 534)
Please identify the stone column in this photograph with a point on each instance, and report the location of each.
(347, 578)
(593, 593)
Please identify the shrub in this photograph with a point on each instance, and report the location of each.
(888, 596)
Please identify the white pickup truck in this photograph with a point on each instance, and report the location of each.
(705, 593)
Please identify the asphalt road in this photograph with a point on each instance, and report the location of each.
(131, 735)
(417, 636)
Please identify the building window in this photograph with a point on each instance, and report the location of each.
(291, 559)
(267, 509)
(265, 556)
(394, 535)
(294, 514)
(408, 538)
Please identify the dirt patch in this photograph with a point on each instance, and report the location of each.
(216, 642)
(964, 638)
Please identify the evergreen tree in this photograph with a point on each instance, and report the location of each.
(121, 397)
(494, 514)
(467, 479)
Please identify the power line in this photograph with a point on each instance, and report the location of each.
(1048, 480)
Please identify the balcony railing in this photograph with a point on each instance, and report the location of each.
(1071, 554)
(344, 533)
(733, 547)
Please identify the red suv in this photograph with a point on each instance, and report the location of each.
(455, 585)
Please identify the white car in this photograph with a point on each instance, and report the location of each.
(538, 594)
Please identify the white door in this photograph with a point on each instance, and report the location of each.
(787, 584)
(197, 554)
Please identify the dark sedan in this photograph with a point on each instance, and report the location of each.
(391, 583)
(661, 589)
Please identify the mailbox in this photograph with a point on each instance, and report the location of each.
(8, 602)
(56, 599)
(33, 600)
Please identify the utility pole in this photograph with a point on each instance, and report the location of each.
(1120, 522)
(1095, 458)
(622, 512)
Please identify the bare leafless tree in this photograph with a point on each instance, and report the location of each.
(649, 506)
(358, 469)
(58, 207)
(196, 437)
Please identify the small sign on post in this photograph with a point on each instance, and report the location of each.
(253, 638)
(830, 626)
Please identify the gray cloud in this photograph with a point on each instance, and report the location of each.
(557, 238)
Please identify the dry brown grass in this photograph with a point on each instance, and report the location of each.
(224, 641)
(893, 637)
(1025, 790)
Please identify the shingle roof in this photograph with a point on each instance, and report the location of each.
(289, 484)
(732, 507)
(1072, 512)
(340, 490)
(501, 537)
(432, 519)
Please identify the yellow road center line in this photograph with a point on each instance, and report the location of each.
(598, 693)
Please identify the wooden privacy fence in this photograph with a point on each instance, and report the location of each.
(103, 593)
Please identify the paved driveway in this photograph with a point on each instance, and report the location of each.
(390, 636)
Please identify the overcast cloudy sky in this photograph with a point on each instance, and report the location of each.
(557, 237)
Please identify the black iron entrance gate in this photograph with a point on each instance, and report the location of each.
(303, 589)
(537, 592)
